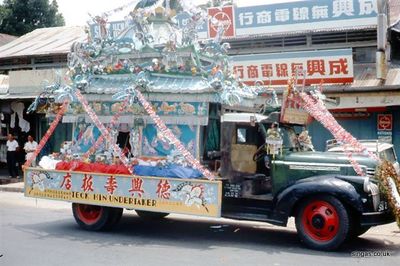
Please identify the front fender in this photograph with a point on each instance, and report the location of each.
(327, 184)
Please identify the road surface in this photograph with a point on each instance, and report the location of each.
(42, 232)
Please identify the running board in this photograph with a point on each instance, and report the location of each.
(252, 217)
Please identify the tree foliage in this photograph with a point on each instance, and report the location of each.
(18, 17)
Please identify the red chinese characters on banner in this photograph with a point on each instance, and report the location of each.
(66, 183)
(111, 185)
(163, 189)
(137, 187)
(297, 69)
(267, 70)
(238, 71)
(338, 67)
(276, 70)
(315, 66)
(252, 72)
(282, 70)
(87, 183)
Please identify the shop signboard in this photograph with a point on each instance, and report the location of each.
(290, 17)
(196, 197)
(305, 15)
(385, 136)
(225, 17)
(385, 127)
(324, 66)
(291, 111)
(276, 18)
(385, 122)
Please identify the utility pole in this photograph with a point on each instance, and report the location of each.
(381, 60)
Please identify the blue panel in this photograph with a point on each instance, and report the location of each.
(85, 136)
(360, 129)
(396, 131)
(152, 145)
(303, 12)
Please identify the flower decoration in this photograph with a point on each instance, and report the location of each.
(390, 185)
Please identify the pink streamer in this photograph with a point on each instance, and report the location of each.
(319, 111)
(48, 134)
(105, 133)
(113, 122)
(167, 133)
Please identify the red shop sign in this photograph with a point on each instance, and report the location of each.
(385, 122)
(225, 16)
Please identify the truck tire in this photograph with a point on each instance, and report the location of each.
(357, 231)
(96, 218)
(322, 222)
(116, 217)
(355, 228)
(151, 215)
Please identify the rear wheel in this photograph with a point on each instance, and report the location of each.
(96, 218)
(151, 215)
(322, 222)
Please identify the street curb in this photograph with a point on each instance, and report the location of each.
(11, 189)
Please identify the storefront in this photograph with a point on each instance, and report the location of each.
(374, 116)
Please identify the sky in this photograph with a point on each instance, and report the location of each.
(76, 11)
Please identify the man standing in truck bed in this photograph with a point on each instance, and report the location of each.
(30, 147)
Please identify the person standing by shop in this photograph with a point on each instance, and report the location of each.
(12, 146)
(30, 147)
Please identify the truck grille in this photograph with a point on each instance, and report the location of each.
(371, 172)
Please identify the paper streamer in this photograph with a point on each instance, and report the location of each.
(103, 130)
(318, 110)
(112, 124)
(167, 133)
(48, 134)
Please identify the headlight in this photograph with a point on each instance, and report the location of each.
(373, 190)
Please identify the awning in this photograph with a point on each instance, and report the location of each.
(371, 101)
(17, 97)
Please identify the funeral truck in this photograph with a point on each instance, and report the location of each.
(257, 179)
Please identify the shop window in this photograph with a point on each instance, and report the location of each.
(395, 43)
(364, 54)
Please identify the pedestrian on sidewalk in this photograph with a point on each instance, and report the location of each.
(30, 147)
(12, 146)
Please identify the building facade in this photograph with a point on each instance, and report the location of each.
(341, 44)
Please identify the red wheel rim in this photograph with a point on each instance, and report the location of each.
(89, 214)
(320, 221)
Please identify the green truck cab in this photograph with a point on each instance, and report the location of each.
(329, 201)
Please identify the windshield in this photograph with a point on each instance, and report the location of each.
(388, 154)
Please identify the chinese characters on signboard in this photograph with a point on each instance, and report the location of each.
(197, 197)
(277, 18)
(329, 66)
(291, 111)
(289, 17)
(305, 15)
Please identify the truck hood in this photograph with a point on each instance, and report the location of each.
(329, 158)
